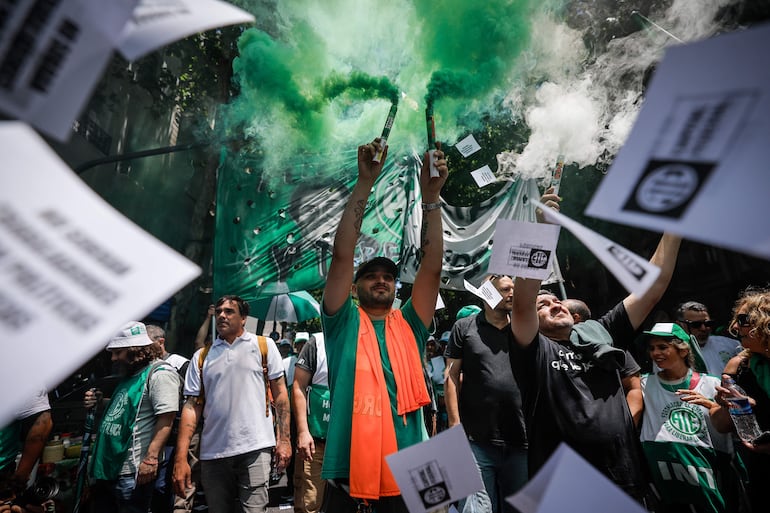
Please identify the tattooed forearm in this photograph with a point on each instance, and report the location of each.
(358, 211)
(283, 416)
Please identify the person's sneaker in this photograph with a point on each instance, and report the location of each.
(287, 499)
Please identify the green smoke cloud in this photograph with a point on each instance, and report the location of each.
(316, 84)
(472, 45)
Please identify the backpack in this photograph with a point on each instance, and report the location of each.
(263, 351)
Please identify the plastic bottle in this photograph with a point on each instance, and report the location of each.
(740, 411)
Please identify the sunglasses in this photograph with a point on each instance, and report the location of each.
(742, 320)
(700, 324)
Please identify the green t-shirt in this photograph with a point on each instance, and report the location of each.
(10, 445)
(341, 338)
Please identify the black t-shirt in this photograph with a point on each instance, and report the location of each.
(567, 399)
(490, 401)
(308, 357)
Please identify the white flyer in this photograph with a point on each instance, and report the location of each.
(487, 292)
(522, 249)
(569, 483)
(52, 53)
(632, 271)
(157, 23)
(72, 269)
(483, 176)
(436, 472)
(468, 146)
(439, 302)
(695, 163)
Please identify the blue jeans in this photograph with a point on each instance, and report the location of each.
(503, 471)
(121, 496)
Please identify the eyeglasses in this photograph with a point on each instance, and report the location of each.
(742, 320)
(700, 324)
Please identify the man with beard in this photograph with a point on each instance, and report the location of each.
(374, 352)
(569, 373)
(227, 385)
(135, 425)
(488, 404)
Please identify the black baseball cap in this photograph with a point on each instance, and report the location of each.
(382, 262)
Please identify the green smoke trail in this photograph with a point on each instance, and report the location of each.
(359, 85)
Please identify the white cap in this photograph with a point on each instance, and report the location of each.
(132, 334)
(301, 335)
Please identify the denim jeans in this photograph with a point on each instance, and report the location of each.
(503, 471)
(121, 496)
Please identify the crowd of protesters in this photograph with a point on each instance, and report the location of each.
(521, 376)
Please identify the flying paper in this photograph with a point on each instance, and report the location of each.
(72, 269)
(632, 271)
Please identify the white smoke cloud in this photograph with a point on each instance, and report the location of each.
(584, 107)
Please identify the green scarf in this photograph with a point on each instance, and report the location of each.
(760, 366)
(117, 427)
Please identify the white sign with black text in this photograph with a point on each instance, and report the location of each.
(523, 249)
(72, 269)
(695, 163)
(632, 271)
(436, 472)
(483, 176)
(487, 292)
(468, 146)
(51, 55)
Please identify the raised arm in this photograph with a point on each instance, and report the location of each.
(639, 307)
(428, 278)
(203, 331)
(340, 277)
(524, 321)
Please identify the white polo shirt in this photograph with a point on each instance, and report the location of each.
(234, 412)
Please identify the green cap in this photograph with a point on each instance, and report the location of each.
(467, 310)
(668, 330)
(673, 330)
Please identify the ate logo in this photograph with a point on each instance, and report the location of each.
(684, 421)
(538, 258)
(666, 188)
